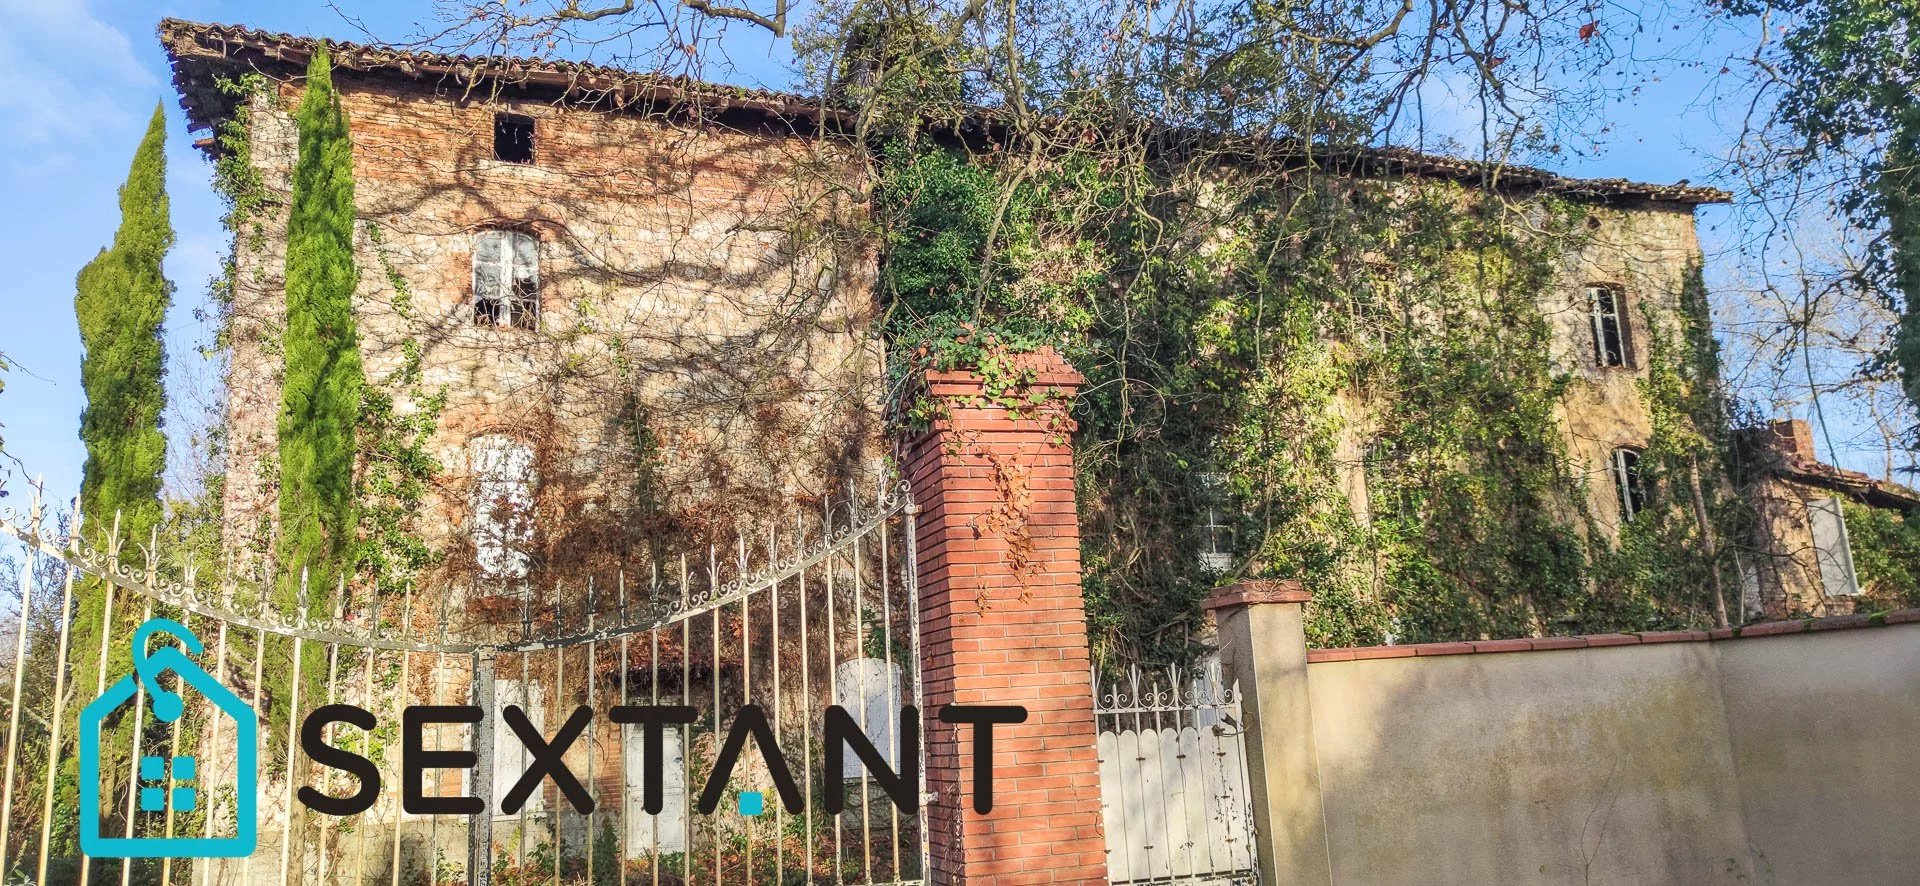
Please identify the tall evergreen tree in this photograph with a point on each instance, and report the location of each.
(320, 403)
(120, 303)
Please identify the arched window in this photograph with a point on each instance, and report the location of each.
(1607, 307)
(506, 279)
(503, 481)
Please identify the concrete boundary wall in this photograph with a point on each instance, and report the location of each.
(1778, 754)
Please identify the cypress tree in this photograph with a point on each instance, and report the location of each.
(320, 403)
(121, 302)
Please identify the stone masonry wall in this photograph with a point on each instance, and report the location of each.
(699, 277)
(1646, 252)
(715, 277)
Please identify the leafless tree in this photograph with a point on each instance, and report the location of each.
(1809, 308)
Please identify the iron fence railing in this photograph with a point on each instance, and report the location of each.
(790, 619)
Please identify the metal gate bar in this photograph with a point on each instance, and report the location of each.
(825, 595)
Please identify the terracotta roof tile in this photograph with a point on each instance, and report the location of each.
(201, 52)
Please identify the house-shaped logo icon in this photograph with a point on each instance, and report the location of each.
(155, 772)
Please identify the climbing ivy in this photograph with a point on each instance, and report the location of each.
(398, 418)
(1886, 553)
(1365, 365)
(237, 180)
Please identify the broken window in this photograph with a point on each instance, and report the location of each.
(506, 279)
(1215, 527)
(513, 138)
(1832, 550)
(502, 509)
(1626, 478)
(1752, 599)
(1608, 307)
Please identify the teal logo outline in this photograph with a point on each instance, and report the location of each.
(167, 707)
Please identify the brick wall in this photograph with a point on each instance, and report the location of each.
(1002, 623)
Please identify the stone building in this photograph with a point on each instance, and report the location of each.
(1802, 558)
(656, 304)
(646, 292)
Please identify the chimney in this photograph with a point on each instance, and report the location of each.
(1791, 437)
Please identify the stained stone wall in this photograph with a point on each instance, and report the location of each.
(1647, 253)
(704, 301)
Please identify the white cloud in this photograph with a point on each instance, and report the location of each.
(65, 76)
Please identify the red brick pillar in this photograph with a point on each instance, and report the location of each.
(1002, 623)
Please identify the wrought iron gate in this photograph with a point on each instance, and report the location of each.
(790, 618)
(1173, 777)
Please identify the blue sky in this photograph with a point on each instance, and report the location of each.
(79, 78)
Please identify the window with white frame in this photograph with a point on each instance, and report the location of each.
(1215, 527)
(1629, 483)
(503, 478)
(1832, 550)
(1607, 308)
(506, 279)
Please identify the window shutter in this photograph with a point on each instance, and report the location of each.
(526, 259)
(488, 287)
(502, 506)
(1831, 549)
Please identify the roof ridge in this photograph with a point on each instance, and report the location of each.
(188, 42)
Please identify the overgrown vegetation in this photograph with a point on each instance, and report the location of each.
(396, 422)
(1357, 372)
(120, 305)
(320, 399)
(1886, 554)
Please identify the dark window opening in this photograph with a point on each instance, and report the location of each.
(1632, 487)
(513, 138)
(506, 279)
(1608, 307)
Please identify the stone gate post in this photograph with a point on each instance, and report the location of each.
(1263, 647)
(1002, 623)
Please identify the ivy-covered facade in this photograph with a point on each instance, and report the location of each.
(1456, 401)
(1454, 411)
